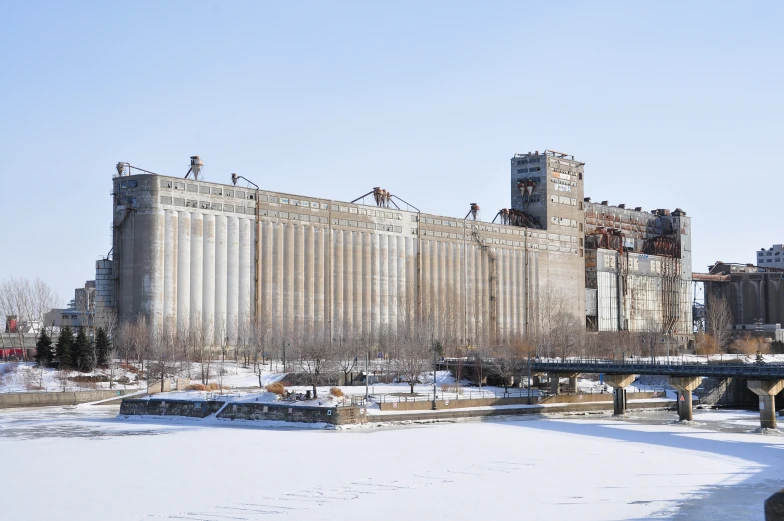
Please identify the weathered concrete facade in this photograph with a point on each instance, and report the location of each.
(190, 252)
(755, 295)
(638, 270)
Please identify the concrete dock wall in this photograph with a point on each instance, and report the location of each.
(11, 400)
(485, 402)
(447, 414)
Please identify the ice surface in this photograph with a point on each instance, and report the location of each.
(94, 467)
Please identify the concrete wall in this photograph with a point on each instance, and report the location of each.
(186, 252)
(9, 400)
(535, 409)
(484, 402)
(291, 413)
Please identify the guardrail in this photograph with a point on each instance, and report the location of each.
(673, 368)
(471, 394)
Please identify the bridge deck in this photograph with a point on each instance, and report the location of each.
(753, 371)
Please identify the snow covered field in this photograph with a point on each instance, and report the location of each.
(81, 463)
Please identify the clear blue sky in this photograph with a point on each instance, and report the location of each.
(668, 104)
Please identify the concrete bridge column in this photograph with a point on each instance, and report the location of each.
(573, 383)
(685, 385)
(619, 383)
(767, 391)
(555, 379)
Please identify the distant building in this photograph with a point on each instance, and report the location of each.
(79, 311)
(772, 257)
(755, 295)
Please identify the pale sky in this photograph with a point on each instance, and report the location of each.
(669, 104)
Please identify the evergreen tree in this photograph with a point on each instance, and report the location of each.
(102, 346)
(65, 348)
(44, 354)
(82, 351)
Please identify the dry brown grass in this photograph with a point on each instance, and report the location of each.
(277, 388)
(196, 387)
(337, 392)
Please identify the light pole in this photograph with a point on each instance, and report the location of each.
(257, 252)
(367, 373)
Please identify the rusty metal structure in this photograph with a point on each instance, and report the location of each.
(638, 270)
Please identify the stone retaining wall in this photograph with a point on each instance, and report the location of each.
(189, 408)
(243, 411)
(10, 400)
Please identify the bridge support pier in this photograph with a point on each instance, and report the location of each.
(619, 383)
(767, 391)
(555, 380)
(685, 385)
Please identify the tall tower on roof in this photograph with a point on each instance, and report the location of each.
(548, 189)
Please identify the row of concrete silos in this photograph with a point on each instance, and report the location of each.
(199, 269)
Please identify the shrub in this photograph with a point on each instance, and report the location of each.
(277, 388)
(337, 392)
(196, 387)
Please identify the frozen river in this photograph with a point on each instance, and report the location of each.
(94, 467)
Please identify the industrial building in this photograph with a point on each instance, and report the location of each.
(638, 270)
(773, 257)
(222, 257)
(755, 296)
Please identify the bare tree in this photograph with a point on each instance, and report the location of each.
(508, 360)
(165, 358)
(566, 334)
(719, 321)
(412, 357)
(28, 301)
(347, 355)
(315, 358)
(202, 352)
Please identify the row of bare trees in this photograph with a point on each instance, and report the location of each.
(27, 300)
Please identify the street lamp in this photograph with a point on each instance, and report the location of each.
(257, 252)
